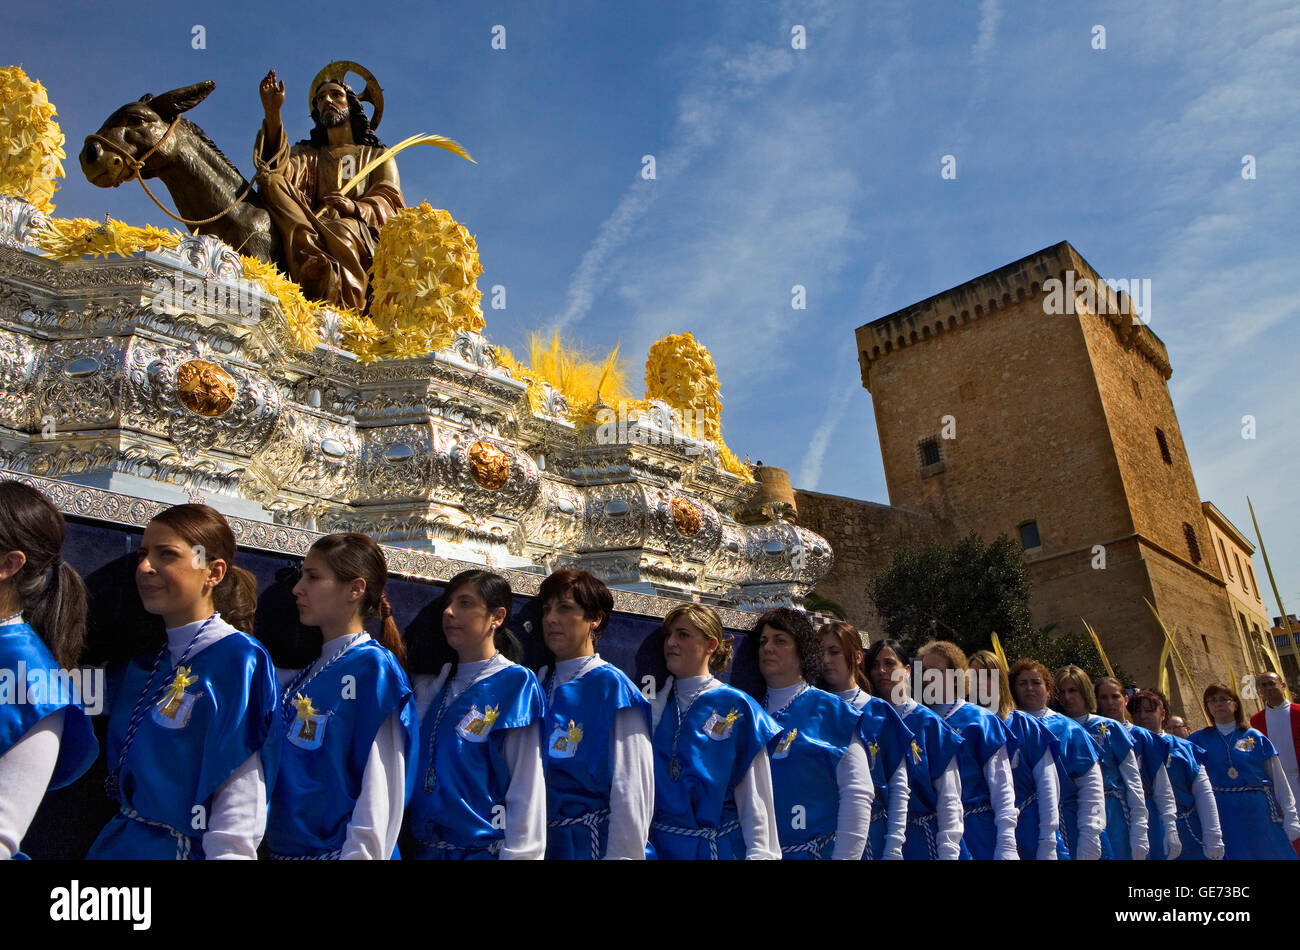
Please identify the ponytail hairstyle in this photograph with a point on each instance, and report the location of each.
(353, 555)
(707, 621)
(48, 590)
(495, 592)
(235, 598)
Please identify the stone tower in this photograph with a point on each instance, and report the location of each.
(999, 413)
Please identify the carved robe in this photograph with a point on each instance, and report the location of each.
(293, 183)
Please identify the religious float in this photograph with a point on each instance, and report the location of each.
(310, 357)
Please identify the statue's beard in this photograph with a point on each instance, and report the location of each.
(332, 118)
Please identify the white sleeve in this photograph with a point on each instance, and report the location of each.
(526, 795)
(1047, 783)
(1285, 801)
(1137, 806)
(1209, 812)
(1002, 794)
(377, 815)
(238, 820)
(754, 799)
(949, 814)
(25, 773)
(632, 791)
(900, 794)
(1167, 806)
(853, 820)
(1091, 803)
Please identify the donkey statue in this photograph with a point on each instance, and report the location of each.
(150, 139)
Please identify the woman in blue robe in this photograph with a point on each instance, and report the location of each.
(1126, 813)
(46, 740)
(935, 816)
(1197, 815)
(1083, 808)
(987, 788)
(1152, 757)
(713, 781)
(1257, 813)
(1033, 765)
(598, 758)
(347, 726)
(480, 791)
(888, 742)
(188, 755)
(821, 778)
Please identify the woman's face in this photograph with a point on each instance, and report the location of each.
(1073, 703)
(778, 658)
(687, 649)
(566, 629)
(1110, 702)
(1222, 708)
(1031, 691)
(322, 599)
(174, 577)
(1149, 714)
(836, 667)
(888, 671)
(466, 620)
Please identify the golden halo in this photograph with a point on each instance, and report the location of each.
(337, 71)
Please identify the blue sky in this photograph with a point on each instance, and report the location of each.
(820, 167)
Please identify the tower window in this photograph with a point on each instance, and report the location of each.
(1237, 558)
(1253, 584)
(930, 452)
(1227, 566)
(1205, 643)
(1164, 447)
(1029, 535)
(1193, 548)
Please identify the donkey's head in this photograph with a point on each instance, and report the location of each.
(129, 134)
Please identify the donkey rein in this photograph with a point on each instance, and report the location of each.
(136, 165)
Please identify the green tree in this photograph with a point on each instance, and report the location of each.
(966, 591)
(960, 592)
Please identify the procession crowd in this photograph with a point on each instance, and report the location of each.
(213, 752)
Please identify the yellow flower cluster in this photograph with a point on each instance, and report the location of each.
(69, 239)
(302, 315)
(31, 142)
(424, 282)
(585, 381)
(679, 370)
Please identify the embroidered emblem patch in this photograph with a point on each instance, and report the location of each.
(474, 726)
(718, 727)
(1245, 744)
(564, 742)
(307, 730)
(783, 747)
(174, 709)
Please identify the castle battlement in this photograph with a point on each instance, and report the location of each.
(1030, 277)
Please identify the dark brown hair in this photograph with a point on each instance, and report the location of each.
(49, 592)
(235, 598)
(794, 623)
(588, 592)
(353, 555)
(1152, 694)
(850, 642)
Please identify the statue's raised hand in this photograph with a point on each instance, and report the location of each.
(272, 91)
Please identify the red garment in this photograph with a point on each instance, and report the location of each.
(1259, 721)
